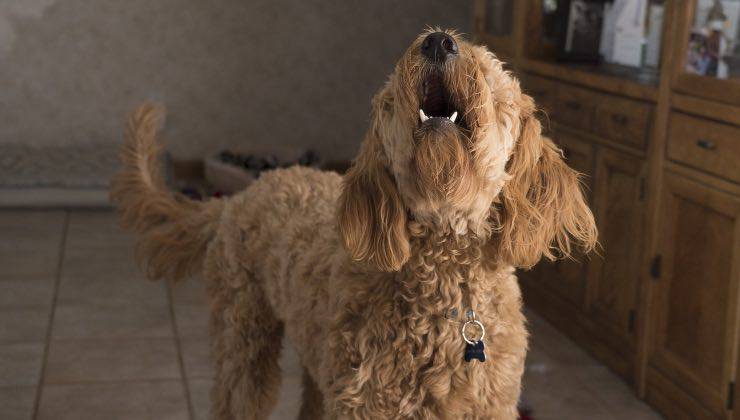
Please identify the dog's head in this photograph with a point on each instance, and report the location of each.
(454, 145)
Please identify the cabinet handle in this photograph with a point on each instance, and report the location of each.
(620, 119)
(706, 144)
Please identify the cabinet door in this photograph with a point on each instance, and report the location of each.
(614, 276)
(695, 298)
(494, 24)
(567, 278)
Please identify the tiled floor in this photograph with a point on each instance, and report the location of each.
(84, 336)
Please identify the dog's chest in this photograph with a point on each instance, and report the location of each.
(407, 352)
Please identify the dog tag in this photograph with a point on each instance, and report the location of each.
(474, 347)
(475, 351)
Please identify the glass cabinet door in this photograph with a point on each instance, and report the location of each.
(494, 24)
(708, 64)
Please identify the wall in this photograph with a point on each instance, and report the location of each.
(281, 75)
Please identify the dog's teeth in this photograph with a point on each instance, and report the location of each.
(422, 115)
(453, 117)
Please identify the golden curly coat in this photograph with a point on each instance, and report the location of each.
(359, 272)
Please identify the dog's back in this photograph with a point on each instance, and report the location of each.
(285, 206)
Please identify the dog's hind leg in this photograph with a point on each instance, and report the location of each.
(246, 345)
(312, 407)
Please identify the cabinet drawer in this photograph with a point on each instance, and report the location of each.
(574, 107)
(703, 144)
(542, 90)
(623, 120)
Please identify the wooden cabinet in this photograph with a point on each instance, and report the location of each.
(566, 278)
(695, 306)
(660, 302)
(614, 278)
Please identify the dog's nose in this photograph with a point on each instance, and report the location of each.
(438, 46)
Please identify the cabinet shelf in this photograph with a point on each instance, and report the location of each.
(637, 83)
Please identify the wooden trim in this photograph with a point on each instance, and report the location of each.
(708, 109)
(594, 80)
(722, 90)
(655, 158)
(703, 178)
(595, 139)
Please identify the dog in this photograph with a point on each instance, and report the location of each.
(396, 282)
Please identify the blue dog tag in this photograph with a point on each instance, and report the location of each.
(475, 351)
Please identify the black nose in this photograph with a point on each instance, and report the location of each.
(438, 46)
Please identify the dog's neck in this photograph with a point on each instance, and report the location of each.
(446, 270)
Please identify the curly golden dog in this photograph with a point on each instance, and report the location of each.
(375, 276)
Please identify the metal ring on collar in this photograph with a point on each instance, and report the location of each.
(482, 331)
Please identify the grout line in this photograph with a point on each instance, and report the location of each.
(47, 342)
(115, 381)
(178, 349)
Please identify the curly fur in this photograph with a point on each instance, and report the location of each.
(359, 271)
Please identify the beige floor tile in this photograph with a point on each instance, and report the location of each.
(91, 231)
(22, 228)
(95, 287)
(560, 348)
(32, 264)
(563, 382)
(95, 224)
(16, 403)
(290, 364)
(111, 321)
(106, 360)
(190, 291)
(192, 320)
(289, 400)
(24, 258)
(553, 394)
(614, 393)
(152, 400)
(27, 292)
(20, 364)
(30, 244)
(29, 221)
(27, 324)
(200, 396)
(118, 262)
(196, 356)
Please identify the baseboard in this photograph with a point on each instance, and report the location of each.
(53, 197)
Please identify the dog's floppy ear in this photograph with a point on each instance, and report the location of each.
(372, 216)
(542, 210)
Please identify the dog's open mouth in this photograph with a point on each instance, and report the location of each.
(436, 105)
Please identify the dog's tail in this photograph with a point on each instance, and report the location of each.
(174, 230)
